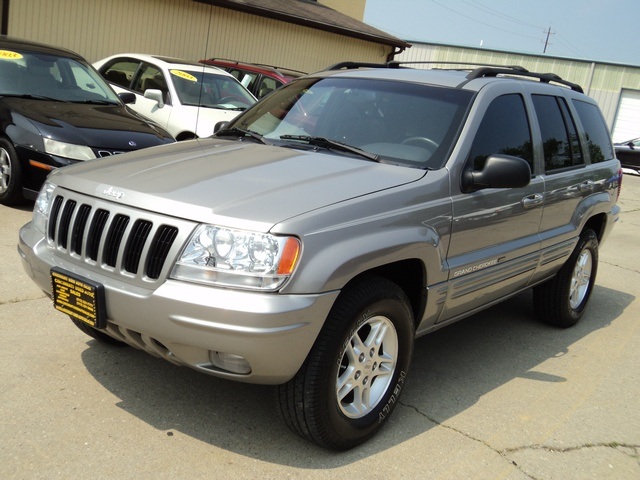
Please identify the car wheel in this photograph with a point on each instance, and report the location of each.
(353, 376)
(561, 301)
(97, 334)
(10, 175)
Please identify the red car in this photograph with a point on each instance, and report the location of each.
(257, 78)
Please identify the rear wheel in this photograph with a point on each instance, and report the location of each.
(97, 334)
(10, 175)
(353, 376)
(562, 300)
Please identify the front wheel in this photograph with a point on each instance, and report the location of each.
(10, 175)
(562, 300)
(353, 376)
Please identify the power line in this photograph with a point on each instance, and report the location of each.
(478, 21)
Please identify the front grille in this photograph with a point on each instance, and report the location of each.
(120, 241)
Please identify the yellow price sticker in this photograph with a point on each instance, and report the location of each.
(8, 55)
(185, 75)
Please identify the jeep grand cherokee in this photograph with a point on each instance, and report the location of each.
(318, 234)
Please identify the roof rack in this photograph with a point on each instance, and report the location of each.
(483, 70)
(354, 65)
(543, 77)
(239, 62)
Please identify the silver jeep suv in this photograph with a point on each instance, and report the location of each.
(311, 240)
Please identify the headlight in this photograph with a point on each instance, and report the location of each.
(239, 259)
(68, 150)
(42, 206)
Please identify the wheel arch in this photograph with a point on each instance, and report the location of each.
(598, 224)
(185, 136)
(410, 275)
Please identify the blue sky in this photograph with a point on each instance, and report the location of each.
(600, 30)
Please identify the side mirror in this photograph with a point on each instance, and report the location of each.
(500, 171)
(219, 126)
(127, 98)
(153, 94)
(630, 145)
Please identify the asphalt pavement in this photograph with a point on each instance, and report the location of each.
(496, 396)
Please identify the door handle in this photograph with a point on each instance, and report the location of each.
(587, 186)
(532, 200)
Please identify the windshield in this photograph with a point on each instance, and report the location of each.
(400, 122)
(198, 88)
(54, 78)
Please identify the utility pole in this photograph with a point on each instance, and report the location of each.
(546, 42)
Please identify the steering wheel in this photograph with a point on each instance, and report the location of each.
(421, 142)
(227, 100)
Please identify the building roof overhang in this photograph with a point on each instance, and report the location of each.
(311, 14)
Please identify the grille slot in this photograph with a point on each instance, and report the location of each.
(53, 217)
(65, 220)
(110, 239)
(114, 238)
(95, 233)
(79, 227)
(158, 254)
(135, 244)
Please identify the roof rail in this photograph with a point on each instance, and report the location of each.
(543, 77)
(354, 65)
(483, 70)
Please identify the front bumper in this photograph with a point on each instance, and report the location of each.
(183, 322)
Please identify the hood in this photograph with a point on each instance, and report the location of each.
(100, 126)
(237, 184)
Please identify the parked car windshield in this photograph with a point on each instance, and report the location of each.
(54, 78)
(203, 89)
(404, 123)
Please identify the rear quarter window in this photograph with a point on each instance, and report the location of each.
(595, 129)
(560, 140)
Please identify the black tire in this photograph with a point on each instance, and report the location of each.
(97, 334)
(562, 300)
(346, 389)
(10, 175)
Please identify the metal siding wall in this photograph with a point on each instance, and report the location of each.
(603, 82)
(181, 28)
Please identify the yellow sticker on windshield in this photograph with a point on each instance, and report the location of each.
(185, 75)
(6, 54)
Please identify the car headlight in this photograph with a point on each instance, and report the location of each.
(238, 259)
(68, 150)
(42, 206)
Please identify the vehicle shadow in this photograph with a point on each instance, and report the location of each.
(452, 369)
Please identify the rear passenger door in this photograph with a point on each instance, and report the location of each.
(568, 181)
(566, 178)
(494, 246)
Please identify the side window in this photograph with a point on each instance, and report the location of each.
(559, 136)
(151, 78)
(505, 130)
(247, 79)
(120, 73)
(595, 130)
(267, 85)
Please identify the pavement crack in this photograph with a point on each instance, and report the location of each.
(502, 453)
(20, 300)
(631, 450)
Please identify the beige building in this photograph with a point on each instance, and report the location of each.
(300, 34)
(304, 35)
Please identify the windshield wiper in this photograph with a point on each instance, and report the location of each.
(33, 97)
(95, 102)
(241, 133)
(323, 142)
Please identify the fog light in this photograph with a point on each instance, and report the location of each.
(230, 362)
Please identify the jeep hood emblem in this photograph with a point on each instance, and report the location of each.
(113, 192)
